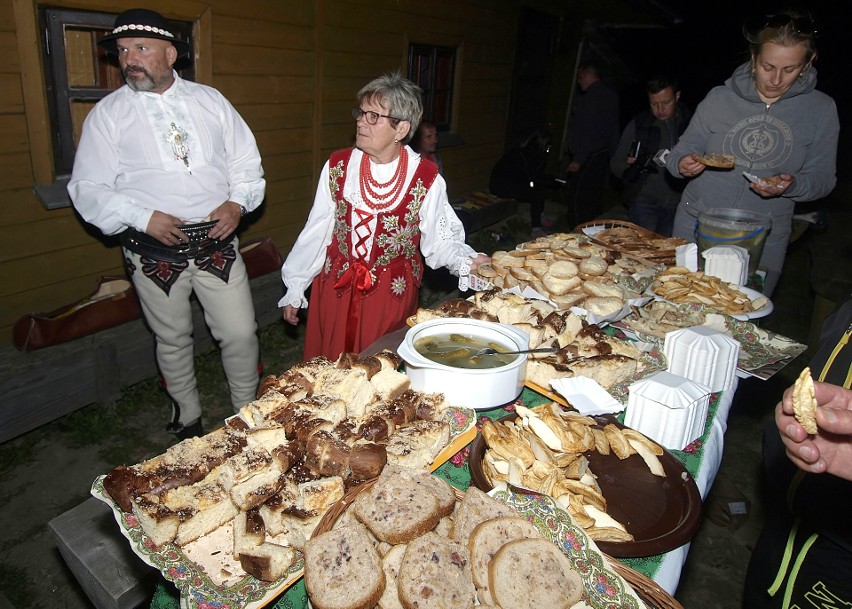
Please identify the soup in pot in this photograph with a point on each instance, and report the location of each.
(459, 351)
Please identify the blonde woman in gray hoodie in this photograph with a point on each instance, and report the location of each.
(771, 118)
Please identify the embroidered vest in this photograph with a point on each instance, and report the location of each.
(395, 260)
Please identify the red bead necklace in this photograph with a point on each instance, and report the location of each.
(370, 186)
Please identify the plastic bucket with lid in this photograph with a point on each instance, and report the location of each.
(747, 229)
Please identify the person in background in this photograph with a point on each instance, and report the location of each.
(650, 193)
(803, 556)
(380, 210)
(520, 175)
(771, 118)
(592, 141)
(425, 143)
(156, 157)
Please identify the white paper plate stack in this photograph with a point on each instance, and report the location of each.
(669, 409)
(703, 355)
(727, 262)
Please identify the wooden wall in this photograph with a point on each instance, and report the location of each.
(292, 68)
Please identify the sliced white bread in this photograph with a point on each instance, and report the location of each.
(343, 570)
(547, 579)
(491, 535)
(435, 574)
(474, 508)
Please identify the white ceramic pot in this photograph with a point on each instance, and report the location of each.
(470, 388)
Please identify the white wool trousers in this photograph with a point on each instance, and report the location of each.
(229, 313)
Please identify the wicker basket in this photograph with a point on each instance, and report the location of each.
(647, 589)
(655, 247)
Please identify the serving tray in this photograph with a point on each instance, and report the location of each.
(189, 568)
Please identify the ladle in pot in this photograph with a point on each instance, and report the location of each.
(490, 351)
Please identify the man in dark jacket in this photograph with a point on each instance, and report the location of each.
(650, 192)
(592, 141)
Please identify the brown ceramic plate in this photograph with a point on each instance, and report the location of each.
(661, 513)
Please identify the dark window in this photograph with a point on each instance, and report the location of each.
(432, 69)
(78, 73)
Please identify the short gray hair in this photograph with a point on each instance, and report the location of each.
(400, 96)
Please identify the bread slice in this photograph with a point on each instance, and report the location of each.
(491, 535)
(415, 445)
(474, 508)
(397, 510)
(249, 531)
(440, 488)
(343, 570)
(435, 574)
(547, 579)
(268, 561)
(390, 564)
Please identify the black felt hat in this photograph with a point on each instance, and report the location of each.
(142, 23)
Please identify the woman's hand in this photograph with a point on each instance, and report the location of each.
(689, 166)
(480, 259)
(291, 314)
(830, 450)
(773, 186)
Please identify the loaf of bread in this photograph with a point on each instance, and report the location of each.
(435, 574)
(548, 578)
(343, 570)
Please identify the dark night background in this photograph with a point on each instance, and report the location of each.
(704, 44)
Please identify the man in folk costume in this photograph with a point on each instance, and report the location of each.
(171, 167)
(379, 211)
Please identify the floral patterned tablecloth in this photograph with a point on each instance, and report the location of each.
(701, 459)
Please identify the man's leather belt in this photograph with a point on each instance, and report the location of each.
(199, 244)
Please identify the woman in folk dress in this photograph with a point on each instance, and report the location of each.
(379, 211)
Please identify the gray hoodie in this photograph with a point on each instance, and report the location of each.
(796, 135)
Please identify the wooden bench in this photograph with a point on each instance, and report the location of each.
(40, 386)
(99, 556)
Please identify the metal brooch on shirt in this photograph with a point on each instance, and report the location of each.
(178, 139)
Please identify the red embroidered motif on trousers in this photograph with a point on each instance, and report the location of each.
(370, 187)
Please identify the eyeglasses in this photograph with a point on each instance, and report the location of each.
(371, 117)
(799, 25)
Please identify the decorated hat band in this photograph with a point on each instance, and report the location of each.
(142, 28)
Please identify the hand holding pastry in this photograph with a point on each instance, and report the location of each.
(830, 449)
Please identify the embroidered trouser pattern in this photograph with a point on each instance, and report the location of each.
(228, 312)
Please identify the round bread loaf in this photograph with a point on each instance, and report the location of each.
(435, 574)
(343, 570)
(489, 536)
(546, 580)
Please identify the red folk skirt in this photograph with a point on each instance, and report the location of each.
(349, 320)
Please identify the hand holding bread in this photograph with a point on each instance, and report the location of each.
(829, 450)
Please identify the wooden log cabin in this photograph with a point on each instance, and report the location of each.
(291, 68)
